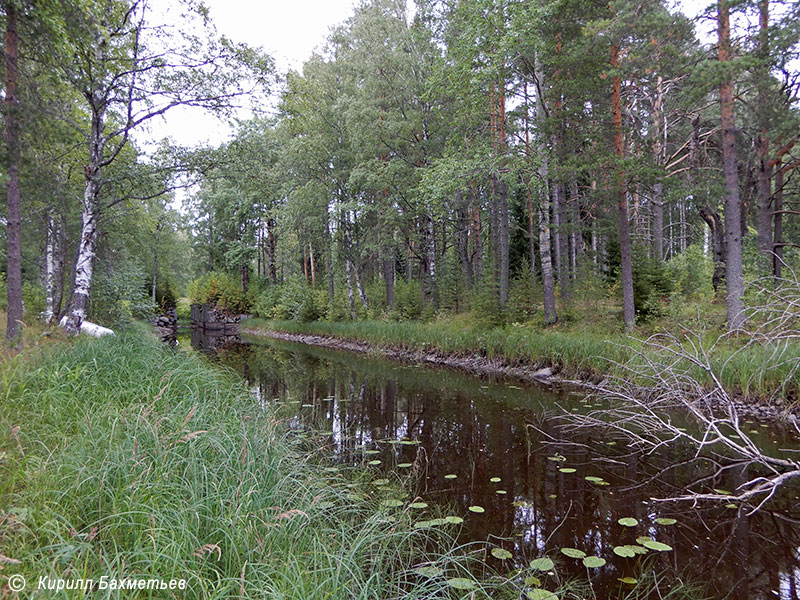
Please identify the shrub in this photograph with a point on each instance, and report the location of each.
(652, 285)
(220, 290)
(408, 299)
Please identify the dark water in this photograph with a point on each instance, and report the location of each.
(482, 430)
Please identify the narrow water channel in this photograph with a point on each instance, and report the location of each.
(466, 442)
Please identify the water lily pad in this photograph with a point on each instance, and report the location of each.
(501, 492)
(628, 580)
(374, 462)
(567, 470)
(665, 521)
(636, 549)
(654, 545)
(624, 551)
(540, 595)
(422, 525)
(495, 480)
(453, 520)
(531, 580)
(551, 496)
(501, 553)
(418, 505)
(723, 492)
(628, 522)
(429, 571)
(404, 465)
(477, 509)
(380, 482)
(410, 442)
(731, 506)
(372, 451)
(437, 522)
(542, 564)
(643, 538)
(593, 562)
(557, 458)
(450, 476)
(573, 552)
(460, 583)
(593, 479)
(392, 502)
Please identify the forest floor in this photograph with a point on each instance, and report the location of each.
(764, 383)
(121, 458)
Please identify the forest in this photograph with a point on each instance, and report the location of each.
(517, 161)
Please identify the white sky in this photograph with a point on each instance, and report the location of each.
(288, 31)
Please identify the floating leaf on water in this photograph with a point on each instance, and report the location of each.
(429, 571)
(519, 503)
(553, 496)
(731, 505)
(542, 564)
(418, 505)
(372, 451)
(307, 406)
(643, 538)
(629, 580)
(495, 480)
(477, 509)
(573, 552)
(593, 562)
(623, 551)
(557, 458)
(460, 583)
(567, 470)
(437, 522)
(422, 524)
(611, 443)
(723, 492)
(665, 521)
(392, 502)
(453, 520)
(501, 553)
(450, 476)
(374, 462)
(654, 545)
(501, 492)
(514, 387)
(541, 595)
(531, 580)
(593, 479)
(628, 522)
(410, 442)
(380, 482)
(403, 465)
(636, 549)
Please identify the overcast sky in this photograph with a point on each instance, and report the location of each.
(289, 31)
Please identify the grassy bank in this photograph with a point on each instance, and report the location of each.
(120, 458)
(757, 372)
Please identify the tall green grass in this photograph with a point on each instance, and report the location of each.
(121, 458)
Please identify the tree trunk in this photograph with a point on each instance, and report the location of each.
(764, 199)
(271, 247)
(777, 258)
(576, 237)
(733, 213)
(504, 242)
(388, 275)
(350, 295)
(13, 246)
(245, 273)
(629, 313)
(52, 254)
(463, 239)
(545, 255)
(434, 287)
(87, 246)
(658, 161)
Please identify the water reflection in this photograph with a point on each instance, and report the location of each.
(503, 444)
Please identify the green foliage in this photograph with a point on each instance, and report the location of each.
(293, 300)
(119, 297)
(34, 300)
(690, 272)
(3, 292)
(522, 295)
(220, 290)
(409, 299)
(652, 285)
(486, 305)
